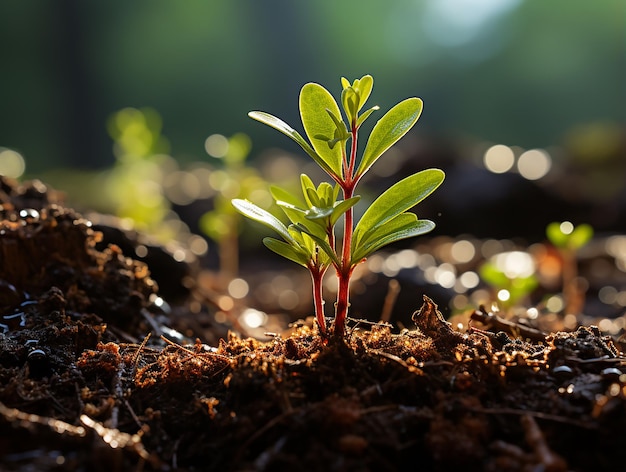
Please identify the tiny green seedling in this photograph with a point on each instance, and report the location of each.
(564, 235)
(569, 239)
(310, 238)
(233, 179)
(510, 286)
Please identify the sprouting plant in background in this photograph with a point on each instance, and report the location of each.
(232, 179)
(310, 238)
(569, 239)
(133, 185)
(511, 275)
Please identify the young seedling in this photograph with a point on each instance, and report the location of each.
(511, 275)
(232, 178)
(569, 239)
(310, 238)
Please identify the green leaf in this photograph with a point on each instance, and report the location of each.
(555, 235)
(299, 217)
(253, 212)
(349, 101)
(493, 276)
(325, 192)
(581, 235)
(281, 195)
(395, 224)
(306, 183)
(318, 213)
(397, 199)
(304, 241)
(336, 190)
(288, 251)
(415, 228)
(388, 130)
(574, 240)
(340, 134)
(365, 115)
(287, 130)
(312, 197)
(520, 287)
(354, 96)
(341, 207)
(364, 89)
(314, 101)
(322, 243)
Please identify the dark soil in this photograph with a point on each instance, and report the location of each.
(94, 377)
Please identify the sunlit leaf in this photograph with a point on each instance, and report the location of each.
(341, 207)
(395, 224)
(323, 244)
(316, 213)
(581, 235)
(314, 101)
(397, 199)
(364, 89)
(493, 276)
(299, 217)
(574, 240)
(281, 195)
(312, 196)
(306, 183)
(288, 251)
(349, 101)
(388, 130)
(325, 192)
(287, 130)
(365, 115)
(253, 212)
(555, 235)
(413, 229)
(319, 257)
(340, 134)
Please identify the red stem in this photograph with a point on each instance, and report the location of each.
(345, 270)
(317, 276)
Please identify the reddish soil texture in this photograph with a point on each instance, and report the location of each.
(88, 382)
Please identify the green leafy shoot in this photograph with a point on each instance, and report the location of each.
(568, 240)
(331, 141)
(567, 236)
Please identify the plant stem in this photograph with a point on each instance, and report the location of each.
(343, 276)
(345, 270)
(316, 277)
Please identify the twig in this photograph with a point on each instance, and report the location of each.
(493, 321)
(138, 353)
(118, 439)
(393, 290)
(58, 426)
(391, 357)
(535, 414)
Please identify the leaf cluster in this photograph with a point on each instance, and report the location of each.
(570, 240)
(331, 141)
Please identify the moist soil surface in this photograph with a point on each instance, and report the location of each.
(94, 375)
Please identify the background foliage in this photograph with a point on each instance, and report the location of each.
(522, 72)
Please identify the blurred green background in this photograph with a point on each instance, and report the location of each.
(520, 75)
(521, 72)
